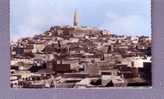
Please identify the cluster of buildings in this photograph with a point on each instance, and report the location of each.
(80, 57)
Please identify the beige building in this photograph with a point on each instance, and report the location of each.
(38, 47)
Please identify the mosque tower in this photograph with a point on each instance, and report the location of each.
(76, 19)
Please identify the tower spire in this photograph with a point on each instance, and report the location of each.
(76, 18)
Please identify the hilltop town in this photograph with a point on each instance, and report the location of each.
(80, 57)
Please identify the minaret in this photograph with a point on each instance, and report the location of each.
(76, 19)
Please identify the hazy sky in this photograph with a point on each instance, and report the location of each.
(129, 17)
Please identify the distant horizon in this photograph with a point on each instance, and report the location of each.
(80, 26)
(29, 18)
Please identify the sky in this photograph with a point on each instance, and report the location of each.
(123, 17)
